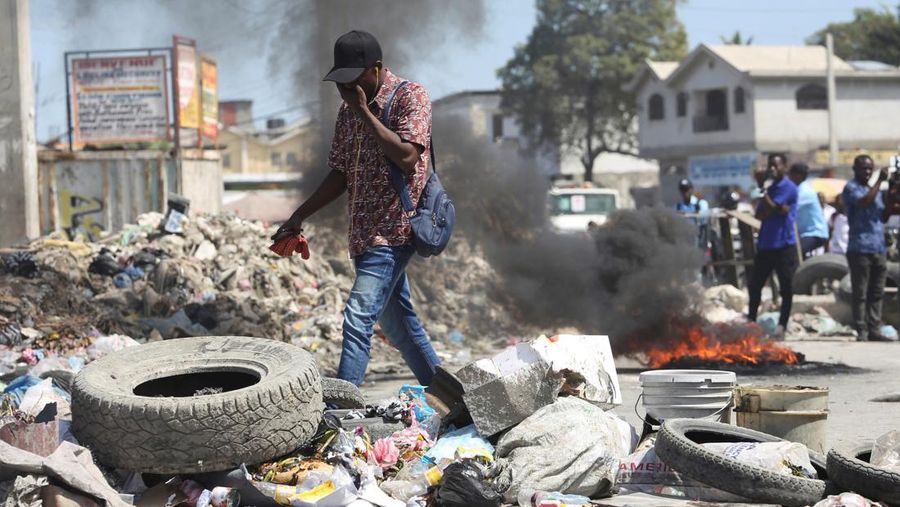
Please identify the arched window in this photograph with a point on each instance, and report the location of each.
(739, 100)
(812, 96)
(681, 104)
(657, 107)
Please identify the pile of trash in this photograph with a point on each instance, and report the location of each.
(216, 276)
(550, 439)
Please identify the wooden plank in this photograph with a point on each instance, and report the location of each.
(748, 248)
(728, 250)
(745, 218)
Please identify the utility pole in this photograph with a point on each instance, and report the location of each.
(18, 151)
(832, 116)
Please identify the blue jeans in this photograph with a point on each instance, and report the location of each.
(381, 293)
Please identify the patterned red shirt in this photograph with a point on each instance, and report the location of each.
(376, 215)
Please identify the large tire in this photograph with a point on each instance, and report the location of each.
(828, 266)
(678, 446)
(138, 409)
(852, 472)
(342, 394)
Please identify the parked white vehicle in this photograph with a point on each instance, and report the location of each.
(572, 209)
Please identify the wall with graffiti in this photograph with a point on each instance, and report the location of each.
(86, 194)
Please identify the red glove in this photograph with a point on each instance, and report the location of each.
(287, 246)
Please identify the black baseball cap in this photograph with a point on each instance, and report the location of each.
(685, 184)
(354, 52)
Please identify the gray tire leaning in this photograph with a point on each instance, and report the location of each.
(852, 471)
(252, 423)
(678, 446)
(829, 266)
(342, 394)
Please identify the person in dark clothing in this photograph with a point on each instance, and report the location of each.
(866, 251)
(777, 243)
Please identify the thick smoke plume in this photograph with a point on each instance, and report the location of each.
(629, 277)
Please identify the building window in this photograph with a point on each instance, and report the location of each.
(292, 159)
(226, 160)
(681, 104)
(812, 96)
(739, 106)
(498, 127)
(657, 107)
(276, 158)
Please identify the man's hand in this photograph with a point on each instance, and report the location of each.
(292, 227)
(355, 98)
(760, 176)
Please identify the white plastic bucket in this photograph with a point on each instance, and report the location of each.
(694, 394)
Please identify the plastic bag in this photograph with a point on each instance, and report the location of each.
(465, 485)
(643, 472)
(42, 394)
(571, 446)
(466, 438)
(789, 458)
(416, 394)
(847, 500)
(106, 344)
(886, 452)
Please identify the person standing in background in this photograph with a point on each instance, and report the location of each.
(811, 222)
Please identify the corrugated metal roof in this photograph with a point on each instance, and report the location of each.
(769, 59)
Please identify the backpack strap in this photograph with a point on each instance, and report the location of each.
(397, 177)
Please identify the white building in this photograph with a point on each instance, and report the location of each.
(480, 110)
(718, 112)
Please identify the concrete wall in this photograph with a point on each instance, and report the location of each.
(18, 161)
(201, 182)
(867, 116)
(89, 193)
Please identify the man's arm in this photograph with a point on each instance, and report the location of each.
(768, 207)
(331, 188)
(869, 199)
(405, 155)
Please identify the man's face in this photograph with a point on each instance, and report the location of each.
(778, 167)
(368, 81)
(686, 193)
(863, 170)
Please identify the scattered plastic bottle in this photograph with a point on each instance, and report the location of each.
(537, 498)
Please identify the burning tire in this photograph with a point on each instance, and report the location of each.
(852, 472)
(197, 404)
(678, 445)
(342, 394)
(820, 274)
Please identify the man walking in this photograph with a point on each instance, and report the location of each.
(811, 222)
(380, 236)
(777, 243)
(866, 252)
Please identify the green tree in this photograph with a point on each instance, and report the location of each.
(872, 35)
(737, 39)
(565, 84)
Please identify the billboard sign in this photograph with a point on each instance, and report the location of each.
(726, 170)
(119, 100)
(187, 83)
(209, 97)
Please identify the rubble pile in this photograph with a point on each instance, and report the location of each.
(218, 277)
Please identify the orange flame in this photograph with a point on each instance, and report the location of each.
(695, 343)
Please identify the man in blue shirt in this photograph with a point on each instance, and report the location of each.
(810, 217)
(693, 205)
(866, 251)
(776, 247)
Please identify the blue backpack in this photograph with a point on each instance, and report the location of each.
(432, 221)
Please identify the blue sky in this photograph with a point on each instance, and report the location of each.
(464, 66)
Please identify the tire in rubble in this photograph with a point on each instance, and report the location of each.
(678, 446)
(147, 408)
(852, 471)
(829, 268)
(342, 394)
